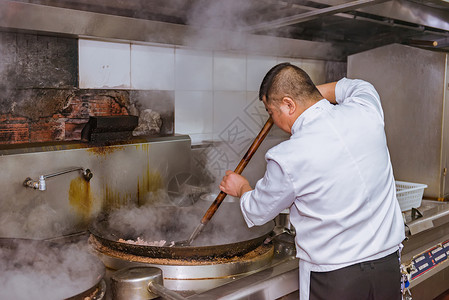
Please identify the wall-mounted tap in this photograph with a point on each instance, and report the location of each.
(41, 184)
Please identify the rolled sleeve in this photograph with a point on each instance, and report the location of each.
(360, 92)
(272, 194)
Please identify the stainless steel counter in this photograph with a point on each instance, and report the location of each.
(426, 249)
(279, 278)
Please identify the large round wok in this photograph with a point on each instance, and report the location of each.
(226, 235)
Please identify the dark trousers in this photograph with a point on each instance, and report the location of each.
(378, 279)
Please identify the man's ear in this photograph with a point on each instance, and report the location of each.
(290, 104)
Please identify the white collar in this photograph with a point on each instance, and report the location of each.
(310, 113)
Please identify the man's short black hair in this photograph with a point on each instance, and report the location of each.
(288, 79)
(268, 79)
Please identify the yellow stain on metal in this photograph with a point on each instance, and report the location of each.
(149, 185)
(104, 150)
(113, 198)
(146, 147)
(143, 146)
(80, 197)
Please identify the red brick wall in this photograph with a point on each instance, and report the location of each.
(66, 121)
(39, 96)
(13, 130)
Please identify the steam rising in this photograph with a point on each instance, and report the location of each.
(43, 270)
(228, 15)
(38, 221)
(171, 223)
(225, 25)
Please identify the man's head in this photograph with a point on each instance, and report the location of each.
(287, 91)
(287, 79)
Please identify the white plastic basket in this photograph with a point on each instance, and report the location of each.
(409, 194)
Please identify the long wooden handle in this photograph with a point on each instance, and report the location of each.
(240, 167)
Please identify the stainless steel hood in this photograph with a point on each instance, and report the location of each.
(52, 20)
(331, 29)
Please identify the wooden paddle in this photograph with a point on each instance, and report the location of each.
(221, 196)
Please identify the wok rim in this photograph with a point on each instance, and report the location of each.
(180, 252)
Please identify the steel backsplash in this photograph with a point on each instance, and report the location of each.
(135, 172)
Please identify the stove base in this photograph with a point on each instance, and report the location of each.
(268, 272)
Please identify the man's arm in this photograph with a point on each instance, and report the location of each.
(352, 90)
(234, 184)
(327, 90)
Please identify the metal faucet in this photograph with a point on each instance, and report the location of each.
(41, 185)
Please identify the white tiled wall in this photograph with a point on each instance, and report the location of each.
(229, 72)
(194, 110)
(227, 106)
(193, 70)
(152, 68)
(315, 69)
(214, 90)
(104, 65)
(256, 68)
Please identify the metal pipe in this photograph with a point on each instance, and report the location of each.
(162, 291)
(41, 184)
(62, 172)
(310, 15)
(423, 43)
(386, 21)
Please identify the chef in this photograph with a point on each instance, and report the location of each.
(334, 174)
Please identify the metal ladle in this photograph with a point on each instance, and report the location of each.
(221, 196)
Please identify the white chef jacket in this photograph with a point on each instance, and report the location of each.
(335, 175)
